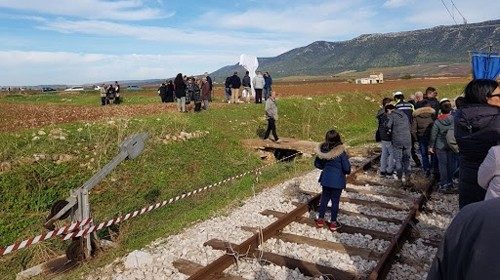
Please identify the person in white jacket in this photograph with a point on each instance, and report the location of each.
(488, 175)
(258, 85)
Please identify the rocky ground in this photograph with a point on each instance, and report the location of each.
(156, 260)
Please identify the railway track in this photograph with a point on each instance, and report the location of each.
(273, 236)
(396, 224)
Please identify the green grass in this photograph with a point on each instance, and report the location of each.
(163, 170)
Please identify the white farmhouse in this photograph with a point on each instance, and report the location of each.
(373, 79)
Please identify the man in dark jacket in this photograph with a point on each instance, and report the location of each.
(431, 97)
(268, 87)
(210, 84)
(386, 157)
(227, 89)
(235, 88)
(399, 126)
(423, 118)
(162, 92)
(247, 86)
(408, 109)
(470, 248)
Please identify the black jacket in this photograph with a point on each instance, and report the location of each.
(227, 83)
(477, 129)
(470, 247)
(180, 90)
(246, 81)
(163, 90)
(235, 81)
(434, 104)
(384, 132)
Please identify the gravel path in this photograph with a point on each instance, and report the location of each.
(156, 260)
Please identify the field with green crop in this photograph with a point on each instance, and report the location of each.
(41, 163)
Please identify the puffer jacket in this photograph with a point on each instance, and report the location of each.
(335, 166)
(440, 128)
(259, 82)
(477, 129)
(399, 126)
(423, 118)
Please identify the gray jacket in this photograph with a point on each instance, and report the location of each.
(488, 175)
(271, 109)
(259, 82)
(399, 126)
(439, 130)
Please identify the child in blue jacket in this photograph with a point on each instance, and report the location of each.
(332, 159)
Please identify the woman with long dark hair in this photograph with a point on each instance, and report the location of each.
(332, 159)
(180, 92)
(477, 129)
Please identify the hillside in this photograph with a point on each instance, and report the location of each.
(441, 44)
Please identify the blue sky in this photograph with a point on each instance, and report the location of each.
(86, 41)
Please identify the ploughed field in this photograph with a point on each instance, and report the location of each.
(52, 143)
(37, 110)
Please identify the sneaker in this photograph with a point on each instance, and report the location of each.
(278, 141)
(320, 223)
(334, 226)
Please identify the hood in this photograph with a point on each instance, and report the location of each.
(424, 112)
(445, 119)
(333, 153)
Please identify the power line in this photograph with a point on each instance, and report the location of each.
(455, 6)
(449, 12)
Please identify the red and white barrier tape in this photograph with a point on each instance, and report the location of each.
(42, 237)
(71, 231)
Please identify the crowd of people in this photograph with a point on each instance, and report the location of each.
(262, 84)
(184, 90)
(110, 94)
(453, 139)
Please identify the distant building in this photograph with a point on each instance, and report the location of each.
(373, 79)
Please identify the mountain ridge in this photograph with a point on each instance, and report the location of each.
(439, 44)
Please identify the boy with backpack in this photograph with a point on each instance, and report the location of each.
(438, 145)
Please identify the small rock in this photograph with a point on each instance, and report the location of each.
(138, 259)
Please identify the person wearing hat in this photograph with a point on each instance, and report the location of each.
(408, 109)
(442, 101)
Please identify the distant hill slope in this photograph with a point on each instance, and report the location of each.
(443, 44)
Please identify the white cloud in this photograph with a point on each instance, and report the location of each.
(177, 36)
(308, 20)
(34, 68)
(396, 3)
(127, 10)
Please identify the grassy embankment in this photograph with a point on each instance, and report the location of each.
(163, 170)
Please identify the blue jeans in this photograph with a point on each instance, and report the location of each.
(402, 158)
(447, 166)
(330, 194)
(267, 92)
(386, 158)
